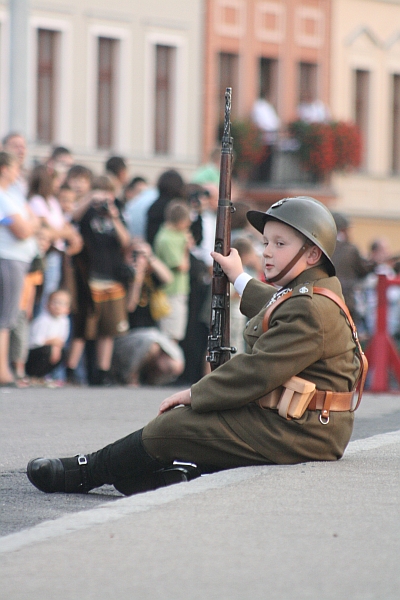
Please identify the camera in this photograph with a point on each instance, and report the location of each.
(194, 197)
(101, 206)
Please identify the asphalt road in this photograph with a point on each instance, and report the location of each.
(231, 535)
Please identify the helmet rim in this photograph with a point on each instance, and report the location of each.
(258, 219)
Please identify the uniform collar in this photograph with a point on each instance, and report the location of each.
(308, 275)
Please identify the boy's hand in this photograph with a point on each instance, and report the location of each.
(231, 264)
(177, 399)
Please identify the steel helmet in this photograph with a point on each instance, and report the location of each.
(308, 216)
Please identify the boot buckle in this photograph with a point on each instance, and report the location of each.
(83, 467)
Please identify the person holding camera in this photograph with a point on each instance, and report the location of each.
(145, 355)
(106, 239)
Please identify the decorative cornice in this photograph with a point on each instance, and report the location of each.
(360, 31)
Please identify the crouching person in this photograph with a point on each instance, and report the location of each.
(301, 348)
(48, 335)
(146, 356)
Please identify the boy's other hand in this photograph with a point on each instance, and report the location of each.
(231, 264)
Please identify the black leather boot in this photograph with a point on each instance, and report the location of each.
(125, 464)
(69, 475)
(126, 460)
(176, 473)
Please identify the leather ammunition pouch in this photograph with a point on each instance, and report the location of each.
(297, 395)
(291, 399)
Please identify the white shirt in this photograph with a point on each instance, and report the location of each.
(52, 212)
(241, 282)
(265, 117)
(313, 112)
(202, 252)
(12, 248)
(46, 327)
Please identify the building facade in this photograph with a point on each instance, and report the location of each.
(105, 78)
(365, 88)
(278, 49)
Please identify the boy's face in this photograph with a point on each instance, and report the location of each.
(281, 244)
(81, 185)
(183, 225)
(59, 304)
(67, 199)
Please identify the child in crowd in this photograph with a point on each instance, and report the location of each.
(171, 245)
(79, 179)
(48, 335)
(67, 200)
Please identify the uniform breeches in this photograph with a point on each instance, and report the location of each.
(245, 436)
(205, 439)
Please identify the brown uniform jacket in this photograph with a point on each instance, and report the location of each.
(307, 336)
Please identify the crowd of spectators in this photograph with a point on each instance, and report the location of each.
(106, 279)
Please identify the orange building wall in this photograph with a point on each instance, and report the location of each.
(288, 30)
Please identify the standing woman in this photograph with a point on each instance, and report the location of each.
(17, 249)
(64, 237)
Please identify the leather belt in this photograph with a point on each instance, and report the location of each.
(339, 401)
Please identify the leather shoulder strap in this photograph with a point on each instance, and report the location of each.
(363, 359)
(271, 308)
(335, 298)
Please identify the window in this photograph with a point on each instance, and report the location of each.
(268, 80)
(396, 125)
(228, 77)
(361, 107)
(46, 84)
(308, 82)
(106, 91)
(164, 98)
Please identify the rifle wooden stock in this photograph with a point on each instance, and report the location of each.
(219, 350)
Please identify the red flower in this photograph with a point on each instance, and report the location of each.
(248, 145)
(327, 147)
(348, 145)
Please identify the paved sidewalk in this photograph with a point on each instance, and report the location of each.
(317, 530)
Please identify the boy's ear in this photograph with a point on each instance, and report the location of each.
(314, 255)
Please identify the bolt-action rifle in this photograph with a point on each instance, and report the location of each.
(219, 349)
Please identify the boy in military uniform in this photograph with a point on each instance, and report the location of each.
(233, 417)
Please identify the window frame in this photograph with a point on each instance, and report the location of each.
(122, 123)
(180, 104)
(366, 126)
(395, 124)
(62, 125)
